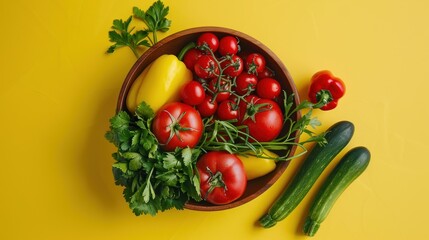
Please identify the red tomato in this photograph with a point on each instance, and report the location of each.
(210, 39)
(223, 91)
(208, 107)
(268, 88)
(191, 57)
(228, 45)
(233, 66)
(227, 110)
(222, 177)
(266, 73)
(255, 63)
(263, 117)
(192, 93)
(177, 125)
(206, 67)
(245, 83)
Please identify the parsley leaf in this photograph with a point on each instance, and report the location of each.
(153, 180)
(154, 19)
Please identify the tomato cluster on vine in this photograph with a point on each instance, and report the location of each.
(232, 84)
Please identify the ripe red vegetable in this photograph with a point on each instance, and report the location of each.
(327, 88)
(191, 57)
(222, 91)
(255, 63)
(227, 110)
(268, 88)
(228, 45)
(208, 107)
(210, 39)
(233, 66)
(245, 82)
(206, 67)
(192, 93)
(222, 177)
(263, 117)
(177, 125)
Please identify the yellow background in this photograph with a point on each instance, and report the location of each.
(59, 88)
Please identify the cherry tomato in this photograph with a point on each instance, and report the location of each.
(227, 110)
(228, 45)
(206, 67)
(255, 63)
(251, 98)
(223, 92)
(191, 57)
(263, 117)
(268, 88)
(177, 125)
(245, 83)
(222, 177)
(210, 39)
(233, 66)
(208, 107)
(266, 73)
(192, 93)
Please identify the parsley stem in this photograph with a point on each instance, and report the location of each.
(135, 52)
(155, 37)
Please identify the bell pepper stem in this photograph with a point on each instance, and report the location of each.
(185, 49)
(323, 97)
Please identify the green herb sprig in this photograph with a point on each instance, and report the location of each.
(155, 19)
(153, 180)
(223, 135)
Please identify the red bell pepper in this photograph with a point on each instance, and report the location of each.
(325, 90)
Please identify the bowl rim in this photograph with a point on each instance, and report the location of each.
(135, 71)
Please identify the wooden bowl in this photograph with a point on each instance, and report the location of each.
(172, 45)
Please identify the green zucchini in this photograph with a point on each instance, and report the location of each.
(337, 136)
(347, 170)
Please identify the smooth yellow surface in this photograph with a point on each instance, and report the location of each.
(164, 77)
(59, 88)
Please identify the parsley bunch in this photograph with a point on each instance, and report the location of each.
(154, 19)
(154, 180)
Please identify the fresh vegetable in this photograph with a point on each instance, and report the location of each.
(238, 140)
(268, 88)
(208, 107)
(222, 177)
(153, 180)
(233, 66)
(245, 83)
(206, 67)
(337, 137)
(177, 125)
(227, 110)
(351, 166)
(325, 83)
(155, 21)
(159, 83)
(266, 73)
(258, 166)
(220, 90)
(255, 63)
(263, 118)
(191, 57)
(192, 93)
(159, 144)
(228, 45)
(210, 40)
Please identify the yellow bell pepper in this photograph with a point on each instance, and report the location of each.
(159, 83)
(255, 166)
